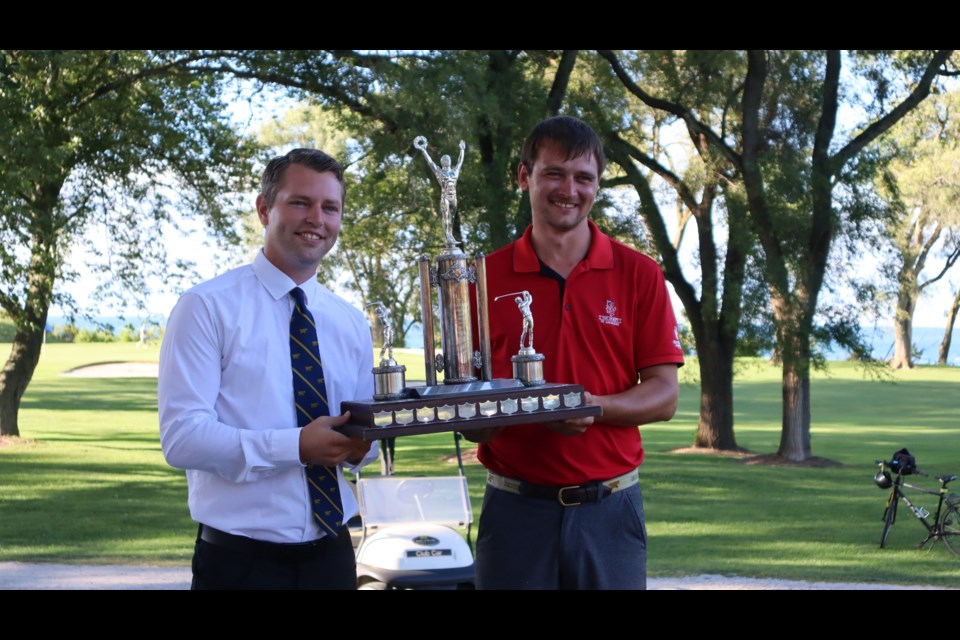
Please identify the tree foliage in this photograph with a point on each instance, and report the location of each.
(488, 98)
(922, 185)
(777, 130)
(381, 101)
(684, 188)
(112, 137)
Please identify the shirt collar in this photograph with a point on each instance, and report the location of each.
(277, 283)
(599, 255)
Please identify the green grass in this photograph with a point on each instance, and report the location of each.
(91, 486)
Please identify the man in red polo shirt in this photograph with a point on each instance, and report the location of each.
(563, 507)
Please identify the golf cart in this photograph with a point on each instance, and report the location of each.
(411, 531)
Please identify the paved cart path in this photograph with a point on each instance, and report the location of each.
(30, 576)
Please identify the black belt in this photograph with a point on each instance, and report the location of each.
(569, 496)
(278, 551)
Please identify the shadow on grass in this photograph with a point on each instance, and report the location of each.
(93, 394)
(103, 512)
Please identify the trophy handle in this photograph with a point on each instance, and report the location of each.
(483, 319)
(426, 312)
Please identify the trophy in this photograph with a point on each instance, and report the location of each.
(469, 396)
(388, 378)
(527, 364)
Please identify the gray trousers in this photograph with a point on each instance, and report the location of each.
(532, 543)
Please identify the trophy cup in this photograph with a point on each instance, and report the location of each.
(469, 396)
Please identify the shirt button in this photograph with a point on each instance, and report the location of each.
(566, 307)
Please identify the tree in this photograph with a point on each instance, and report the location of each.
(111, 136)
(788, 158)
(922, 182)
(700, 184)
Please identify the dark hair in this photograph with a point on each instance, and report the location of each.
(572, 135)
(310, 158)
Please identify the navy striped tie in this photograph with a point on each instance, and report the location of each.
(310, 398)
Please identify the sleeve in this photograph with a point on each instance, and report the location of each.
(657, 337)
(191, 436)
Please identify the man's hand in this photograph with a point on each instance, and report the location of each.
(360, 449)
(574, 426)
(571, 427)
(320, 444)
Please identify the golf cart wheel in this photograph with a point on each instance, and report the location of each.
(373, 585)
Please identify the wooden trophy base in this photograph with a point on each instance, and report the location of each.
(463, 407)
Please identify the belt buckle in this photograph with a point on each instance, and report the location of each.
(560, 496)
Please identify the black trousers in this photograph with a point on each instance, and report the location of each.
(331, 564)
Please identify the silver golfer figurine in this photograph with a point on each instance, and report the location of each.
(524, 300)
(383, 314)
(447, 178)
(389, 379)
(527, 364)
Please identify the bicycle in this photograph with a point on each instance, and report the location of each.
(945, 524)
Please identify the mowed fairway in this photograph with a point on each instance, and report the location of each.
(87, 483)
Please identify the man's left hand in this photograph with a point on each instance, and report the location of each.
(574, 426)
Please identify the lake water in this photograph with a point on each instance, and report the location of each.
(926, 341)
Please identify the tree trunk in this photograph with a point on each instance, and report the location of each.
(795, 434)
(715, 427)
(903, 329)
(31, 321)
(948, 334)
(915, 250)
(17, 374)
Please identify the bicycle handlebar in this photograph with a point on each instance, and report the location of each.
(887, 464)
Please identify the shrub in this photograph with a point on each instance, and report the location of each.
(97, 335)
(129, 334)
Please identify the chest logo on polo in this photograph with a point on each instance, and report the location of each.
(610, 317)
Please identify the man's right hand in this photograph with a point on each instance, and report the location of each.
(320, 444)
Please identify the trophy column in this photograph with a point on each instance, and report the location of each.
(453, 279)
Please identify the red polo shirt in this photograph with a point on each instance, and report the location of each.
(609, 319)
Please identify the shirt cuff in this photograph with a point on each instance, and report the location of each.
(371, 455)
(285, 445)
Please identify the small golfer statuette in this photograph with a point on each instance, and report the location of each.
(388, 378)
(527, 364)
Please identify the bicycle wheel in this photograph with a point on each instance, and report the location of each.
(889, 516)
(950, 528)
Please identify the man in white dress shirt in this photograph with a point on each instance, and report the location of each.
(226, 395)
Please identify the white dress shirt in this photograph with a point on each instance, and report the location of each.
(225, 396)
